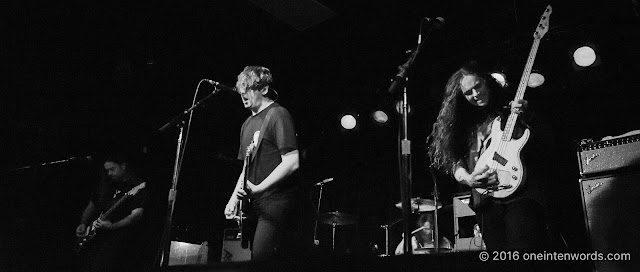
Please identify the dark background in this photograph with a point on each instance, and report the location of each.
(82, 78)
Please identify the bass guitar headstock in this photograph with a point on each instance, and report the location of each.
(543, 25)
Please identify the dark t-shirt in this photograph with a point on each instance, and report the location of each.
(279, 138)
(109, 194)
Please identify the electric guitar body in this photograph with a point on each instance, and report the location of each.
(505, 160)
(91, 232)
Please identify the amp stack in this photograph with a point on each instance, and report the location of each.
(610, 190)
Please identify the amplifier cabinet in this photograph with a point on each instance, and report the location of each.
(612, 217)
(465, 230)
(602, 156)
(232, 250)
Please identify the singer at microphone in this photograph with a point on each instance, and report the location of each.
(268, 183)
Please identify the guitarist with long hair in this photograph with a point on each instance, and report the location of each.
(109, 230)
(473, 100)
(267, 185)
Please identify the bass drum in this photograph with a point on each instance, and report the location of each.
(445, 247)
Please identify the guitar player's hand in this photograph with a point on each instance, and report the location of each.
(102, 224)
(252, 189)
(80, 230)
(230, 209)
(481, 178)
(519, 106)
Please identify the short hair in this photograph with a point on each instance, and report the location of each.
(121, 155)
(256, 78)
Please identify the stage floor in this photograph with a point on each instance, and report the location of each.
(458, 261)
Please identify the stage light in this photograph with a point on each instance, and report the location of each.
(535, 79)
(380, 117)
(500, 78)
(584, 56)
(348, 122)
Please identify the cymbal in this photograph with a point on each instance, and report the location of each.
(421, 204)
(337, 218)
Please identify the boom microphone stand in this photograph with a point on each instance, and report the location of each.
(404, 142)
(165, 246)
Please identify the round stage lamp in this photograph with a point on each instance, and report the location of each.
(535, 80)
(380, 117)
(584, 56)
(500, 78)
(348, 122)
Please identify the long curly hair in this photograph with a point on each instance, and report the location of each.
(455, 127)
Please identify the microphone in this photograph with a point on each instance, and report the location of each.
(219, 85)
(324, 181)
(436, 23)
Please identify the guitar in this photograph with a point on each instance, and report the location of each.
(242, 205)
(91, 231)
(503, 154)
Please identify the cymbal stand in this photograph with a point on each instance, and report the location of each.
(315, 228)
(386, 239)
(333, 237)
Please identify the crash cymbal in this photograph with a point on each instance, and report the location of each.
(421, 204)
(337, 218)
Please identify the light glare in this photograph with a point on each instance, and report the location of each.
(380, 117)
(348, 122)
(584, 56)
(535, 80)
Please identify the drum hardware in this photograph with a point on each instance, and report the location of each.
(315, 228)
(386, 235)
(336, 219)
(427, 249)
(421, 205)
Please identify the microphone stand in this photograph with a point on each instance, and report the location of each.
(44, 164)
(165, 246)
(436, 238)
(405, 144)
(315, 228)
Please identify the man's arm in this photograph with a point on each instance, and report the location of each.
(131, 219)
(289, 164)
(88, 213)
(474, 180)
(230, 209)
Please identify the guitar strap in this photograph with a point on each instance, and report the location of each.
(263, 128)
(262, 131)
(250, 223)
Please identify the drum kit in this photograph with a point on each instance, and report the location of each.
(336, 218)
(419, 206)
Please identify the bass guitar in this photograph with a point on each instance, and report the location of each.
(91, 231)
(503, 156)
